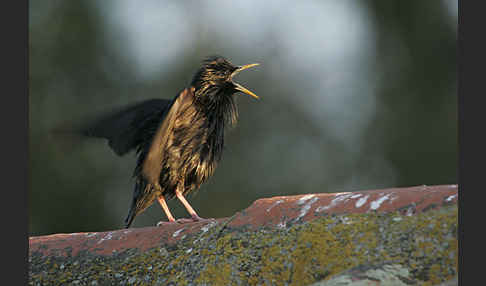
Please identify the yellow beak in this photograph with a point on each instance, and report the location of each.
(245, 67)
(238, 86)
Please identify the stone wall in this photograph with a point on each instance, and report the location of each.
(398, 236)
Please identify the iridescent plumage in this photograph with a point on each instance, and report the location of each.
(179, 142)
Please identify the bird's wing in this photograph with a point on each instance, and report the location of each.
(152, 165)
(125, 129)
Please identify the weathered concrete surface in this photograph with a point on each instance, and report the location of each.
(294, 240)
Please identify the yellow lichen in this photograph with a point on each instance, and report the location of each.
(425, 243)
(319, 251)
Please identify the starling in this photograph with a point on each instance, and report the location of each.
(178, 142)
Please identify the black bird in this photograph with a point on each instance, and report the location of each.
(178, 142)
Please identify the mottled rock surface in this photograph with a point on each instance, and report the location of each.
(408, 233)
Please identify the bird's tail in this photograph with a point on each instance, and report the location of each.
(130, 217)
(143, 197)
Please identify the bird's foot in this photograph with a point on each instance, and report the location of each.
(194, 218)
(184, 220)
(162, 223)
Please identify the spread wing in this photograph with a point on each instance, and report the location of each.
(152, 163)
(127, 128)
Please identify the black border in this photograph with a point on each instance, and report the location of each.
(14, 125)
(460, 135)
(471, 80)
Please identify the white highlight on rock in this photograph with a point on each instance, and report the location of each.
(450, 198)
(376, 204)
(342, 193)
(305, 198)
(107, 237)
(189, 250)
(305, 209)
(282, 224)
(274, 204)
(356, 196)
(361, 201)
(339, 198)
(346, 220)
(409, 212)
(208, 226)
(177, 232)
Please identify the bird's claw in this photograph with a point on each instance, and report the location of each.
(185, 220)
(161, 223)
(195, 218)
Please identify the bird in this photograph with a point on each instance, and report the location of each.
(179, 141)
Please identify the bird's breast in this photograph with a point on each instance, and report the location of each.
(194, 147)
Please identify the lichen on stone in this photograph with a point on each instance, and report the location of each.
(299, 254)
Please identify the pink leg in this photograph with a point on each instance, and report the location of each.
(164, 206)
(190, 210)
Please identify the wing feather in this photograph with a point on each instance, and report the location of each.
(125, 128)
(152, 164)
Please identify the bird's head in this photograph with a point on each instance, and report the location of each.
(215, 78)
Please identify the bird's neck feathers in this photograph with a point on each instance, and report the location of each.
(218, 105)
(220, 111)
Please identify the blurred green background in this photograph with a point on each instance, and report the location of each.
(355, 95)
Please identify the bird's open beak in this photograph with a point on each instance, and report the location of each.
(238, 86)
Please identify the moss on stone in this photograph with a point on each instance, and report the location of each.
(299, 254)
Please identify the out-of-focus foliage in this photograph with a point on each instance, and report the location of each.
(355, 95)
